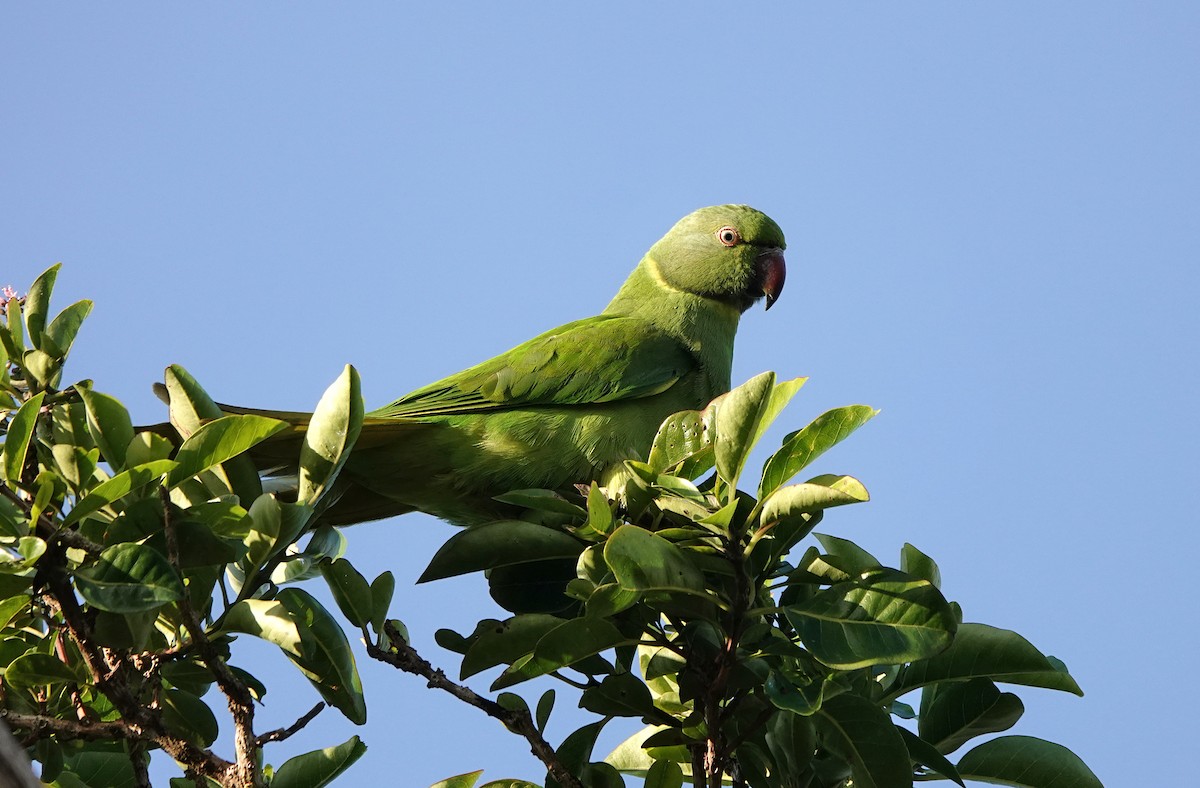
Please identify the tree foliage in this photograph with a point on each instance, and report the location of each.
(752, 650)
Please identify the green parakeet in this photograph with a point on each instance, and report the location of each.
(571, 403)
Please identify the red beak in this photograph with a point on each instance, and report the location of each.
(772, 272)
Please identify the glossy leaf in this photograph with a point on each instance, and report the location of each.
(979, 650)
(20, 430)
(503, 642)
(63, 329)
(501, 543)
(880, 620)
(681, 436)
(803, 446)
(319, 768)
(37, 303)
(467, 780)
(129, 578)
(1027, 762)
(822, 492)
(29, 550)
(349, 589)
(109, 424)
(963, 710)
(36, 669)
(860, 732)
(923, 753)
(737, 424)
(311, 639)
(331, 434)
(642, 561)
(118, 487)
(220, 440)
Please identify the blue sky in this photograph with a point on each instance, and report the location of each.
(993, 236)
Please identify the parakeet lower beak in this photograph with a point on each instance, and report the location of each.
(772, 272)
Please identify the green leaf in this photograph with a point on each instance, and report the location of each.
(117, 488)
(331, 434)
(29, 550)
(926, 754)
(20, 430)
(850, 556)
(147, 447)
(822, 492)
(109, 423)
(681, 436)
(504, 642)
(10, 607)
(569, 642)
(319, 768)
(350, 590)
(642, 561)
(576, 750)
(129, 578)
(467, 780)
(186, 715)
(311, 639)
(619, 695)
(221, 440)
(190, 408)
(1027, 762)
(542, 501)
(962, 710)
(37, 303)
(979, 650)
(737, 424)
(861, 733)
(803, 446)
(382, 589)
(791, 739)
(38, 670)
(879, 620)
(64, 328)
(917, 564)
(544, 707)
(501, 543)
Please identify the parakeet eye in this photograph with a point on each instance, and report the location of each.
(728, 236)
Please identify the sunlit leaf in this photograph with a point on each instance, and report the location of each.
(803, 446)
(109, 423)
(642, 561)
(37, 303)
(220, 440)
(117, 488)
(20, 430)
(331, 434)
(311, 639)
(737, 424)
(36, 670)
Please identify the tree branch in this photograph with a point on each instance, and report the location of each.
(405, 657)
(237, 694)
(279, 734)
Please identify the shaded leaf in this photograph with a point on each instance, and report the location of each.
(542, 501)
(36, 669)
(186, 715)
(642, 561)
(963, 710)
(989, 652)
(926, 754)
(319, 768)
(503, 642)
(862, 734)
(497, 544)
(568, 643)
(879, 620)
(109, 424)
(63, 329)
(129, 578)
(1028, 762)
(350, 590)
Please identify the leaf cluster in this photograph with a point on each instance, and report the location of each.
(696, 608)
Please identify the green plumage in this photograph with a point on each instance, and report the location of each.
(569, 404)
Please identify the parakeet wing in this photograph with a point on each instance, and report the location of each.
(596, 360)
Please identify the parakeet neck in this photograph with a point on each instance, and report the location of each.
(705, 326)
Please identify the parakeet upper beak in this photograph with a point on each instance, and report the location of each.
(772, 272)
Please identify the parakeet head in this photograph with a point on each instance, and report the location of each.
(730, 253)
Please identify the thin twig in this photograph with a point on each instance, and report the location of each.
(48, 530)
(403, 656)
(279, 734)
